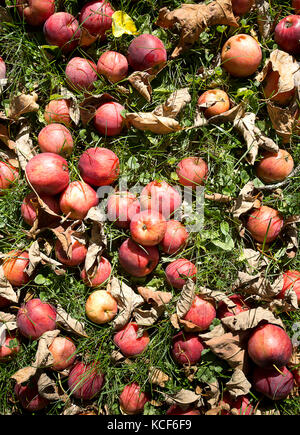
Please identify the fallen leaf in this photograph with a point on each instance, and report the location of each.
(174, 104)
(64, 320)
(122, 24)
(238, 385)
(21, 104)
(24, 145)
(140, 80)
(147, 121)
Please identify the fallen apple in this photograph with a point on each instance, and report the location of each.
(63, 351)
(287, 34)
(36, 317)
(147, 53)
(136, 260)
(35, 12)
(29, 397)
(201, 313)
(148, 227)
(178, 271)
(58, 111)
(113, 66)
(85, 381)
(271, 88)
(81, 74)
(77, 199)
(175, 238)
(62, 29)
(213, 102)
(108, 120)
(132, 399)
(9, 348)
(291, 281)
(99, 276)
(241, 7)
(192, 172)
(274, 383)
(95, 18)
(8, 175)
(56, 138)
(162, 197)
(99, 166)
(14, 267)
(240, 306)
(264, 224)
(30, 206)
(101, 307)
(121, 207)
(77, 254)
(186, 348)
(129, 342)
(274, 167)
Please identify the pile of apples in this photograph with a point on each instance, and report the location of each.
(148, 219)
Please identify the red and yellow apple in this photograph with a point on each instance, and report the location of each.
(101, 307)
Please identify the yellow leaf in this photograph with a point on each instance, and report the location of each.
(122, 23)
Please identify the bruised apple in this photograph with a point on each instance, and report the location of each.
(201, 313)
(62, 29)
(136, 260)
(132, 399)
(271, 88)
(63, 351)
(36, 317)
(99, 275)
(269, 345)
(95, 18)
(192, 172)
(113, 66)
(291, 281)
(47, 173)
(85, 381)
(274, 383)
(81, 73)
(147, 53)
(9, 348)
(76, 200)
(241, 55)
(121, 207)
(186, 348)
(264, 224)
(14, 267)
(274, 167)
(108, 120)
(35, 12)
(178, 271)
(213, 102)
(101, 307)
(75, 257)
(148, 227)
(56, 138)
(175, 238)
(30, 209)
(58, 111)
(99, 166)
(160, 196)
(29, 397)
(128, 341)
(8, 175)
(241, 7)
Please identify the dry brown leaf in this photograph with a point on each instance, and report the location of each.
(24, 145)
(193, 19)
(249, 319)
(147, 121)
(86, 39)
(247, 199)
(21, 104)
(48, 389)
(5, 138)
(147, 317)
(183, 398)
(96, 244)
(74, 110)
(140, 80)
(264, 20)
(283, 119)
(157, 377)
(6, 289)
(65, 321)
(186, 298)
(9, 321)
(238, 385)
(255, 261)
(174, 104)
(154, 297)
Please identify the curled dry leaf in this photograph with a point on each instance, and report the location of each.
(283, 119)
(193, 19)
(255, 261)
(68, 323)
(36, 256)
(238, 385)
(74, 110)
(127, 301)
(6, 289)
(264, 20)
(184, 398)
(247, 199)
(147, 317)
(247, 320)
(157, 377)
(96, 243)
(23, 145)
(9, 320)
(145, 121)
(154, 297)
(140, 80)
(86, 39)
(48, 389)
(174, 104)
(23, 103)
(5, 137)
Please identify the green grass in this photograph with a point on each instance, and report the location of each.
(144, 157)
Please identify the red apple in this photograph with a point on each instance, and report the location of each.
(192, 171)
(8, 175)
(132, 399)
(147, 53)
(177, 410)
(129, 343)
(85, 381)
(95, 17)
(274, 383)
(9, 348)
(101, 307)
(148, 227)
(121, 207)
(240, 306)
(264, 224)
(81, 73)
(269, 345)
(113, 66)
(99, 166)
(2, 69)
(242, 404)
(14, 266)
(76, 200)
(178, 271)
(241, 55)
(36, 317)
(187, 348)
(30, 209)
(175, 238)
(108, 120)
(58, 111)
(63, 351)
(77, 254)
(271, 87)
(29, 397)
(274, 167)
(219, 100)
(241, 7)
(35, 12)
(47, 173)
(99, 276)
(201, 313)
(160, 196)
(291, 280)
(62, 29)
(296, 6)
(287, 34)
(136, 260)
(56, 138)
